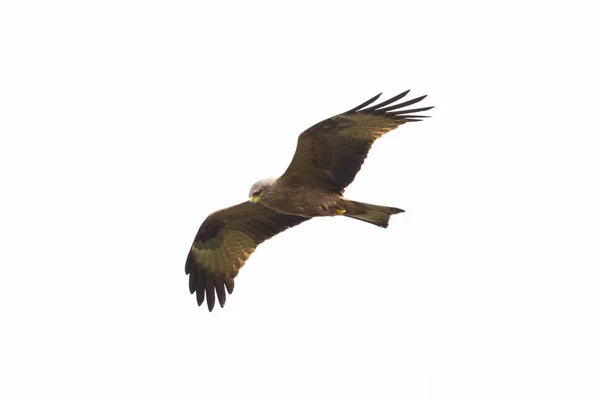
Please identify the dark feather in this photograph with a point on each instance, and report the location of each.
(193, 280)
(406, 103)
(208, 230)
(189, 263)
(220, 288)
(366, 103)
(200, 289)
(210, 291)
(412, 110)
(229, 284)
(385, 103)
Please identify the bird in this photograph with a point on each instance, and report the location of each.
(328, 156)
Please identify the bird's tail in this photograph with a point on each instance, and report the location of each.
(376, 215)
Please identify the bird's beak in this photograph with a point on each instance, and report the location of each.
(253, 200)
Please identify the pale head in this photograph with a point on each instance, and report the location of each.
(259, 189)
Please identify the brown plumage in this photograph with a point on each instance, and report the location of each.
(225, 241)
(328, 157)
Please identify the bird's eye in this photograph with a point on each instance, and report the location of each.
(257, 193)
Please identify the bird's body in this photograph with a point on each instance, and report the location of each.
(298, 199)
(328, 157)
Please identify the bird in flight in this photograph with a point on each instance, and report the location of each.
(328, 157)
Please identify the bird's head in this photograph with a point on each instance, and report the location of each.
(259, 189)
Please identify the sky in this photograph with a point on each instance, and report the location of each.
(125, 123)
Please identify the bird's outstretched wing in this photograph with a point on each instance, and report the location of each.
(224, 242)
(330, 153)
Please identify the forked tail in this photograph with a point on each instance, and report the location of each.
(376, 215)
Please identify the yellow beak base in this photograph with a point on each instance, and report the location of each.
(253, 200)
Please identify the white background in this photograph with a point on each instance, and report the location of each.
(125, 123)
